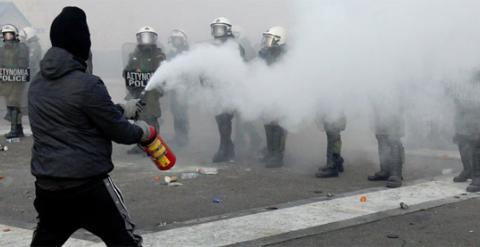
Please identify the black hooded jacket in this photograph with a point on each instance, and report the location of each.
(73, 121)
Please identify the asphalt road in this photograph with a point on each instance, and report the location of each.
(242, 186)
(448, 225)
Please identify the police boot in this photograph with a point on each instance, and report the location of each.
(226, 150)
(16, 129)
(334, 148)
(332, 168)
(384, 158)
(466, 155)
(278, 138)
(475, 185)
(398, 154)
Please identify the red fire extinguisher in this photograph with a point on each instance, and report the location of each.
(159, 151)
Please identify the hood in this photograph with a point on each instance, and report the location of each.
(58, 62)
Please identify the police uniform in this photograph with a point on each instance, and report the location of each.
(333, 126)
(14, 55)
(276, 135)
(467, 132)
(145, 60)
(389, 129)
(226, 150)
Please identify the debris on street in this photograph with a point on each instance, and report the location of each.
(392, 235)
(207, 170)
(189, 175)
(216, 200)
(330, 195)
(3, 148)
(170, 179)
(404, 206)
(175, 184)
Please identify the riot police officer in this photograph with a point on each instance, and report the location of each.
(142, 63)
(221, 31)
(467, 131)
(273, 49)
(389, 130)
(178, 42)
(14, 55)
(333, 124)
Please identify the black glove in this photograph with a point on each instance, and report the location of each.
(132, 108)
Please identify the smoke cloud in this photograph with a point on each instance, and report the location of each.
(343, 56)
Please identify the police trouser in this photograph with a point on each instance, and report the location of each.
(334, 148)
(224, 123)
(466, 148)
(96, 206)
(391, 154)
(276, 139)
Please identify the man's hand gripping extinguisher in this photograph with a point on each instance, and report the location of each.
(156, 148)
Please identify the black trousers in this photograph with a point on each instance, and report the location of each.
(96, 206)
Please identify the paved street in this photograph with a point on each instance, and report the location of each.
(245, 194)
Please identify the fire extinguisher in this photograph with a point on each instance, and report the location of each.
(160, 153)
(157, 149)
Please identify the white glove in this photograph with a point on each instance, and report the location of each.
(147, 133)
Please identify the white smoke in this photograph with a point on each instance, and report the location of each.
(343, 55)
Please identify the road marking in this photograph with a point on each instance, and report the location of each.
(13, 236)
(273, 223)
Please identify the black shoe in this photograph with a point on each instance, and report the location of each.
(379, 176)
(462, 177)
(340, 168)
(394, 182)
(330, 172)
(475, 185)
(16, 132)
(338, 162)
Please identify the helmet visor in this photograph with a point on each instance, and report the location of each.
(8, 36)
(146, 38)
(219, 30)
(270, 40)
